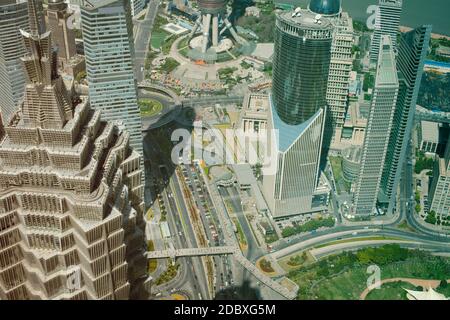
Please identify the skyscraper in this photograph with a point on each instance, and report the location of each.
(63, 36)
(440, 186)
(13, 16)
(298, 107)
(387, 23)
(70, 191)
(410, 61)
(340, 66)
(137, 6)
(379, 125)
(109, 51)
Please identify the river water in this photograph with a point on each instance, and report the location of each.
(415, 12)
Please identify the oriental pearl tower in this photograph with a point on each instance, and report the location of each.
(213, 13)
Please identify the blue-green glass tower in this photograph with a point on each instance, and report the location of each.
(109, 50)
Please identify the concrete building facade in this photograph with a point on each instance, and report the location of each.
(387, 22)
(440, 186)
(340, 66)
(379, 126)
(63, 36)
(70, 192)
(137, 6)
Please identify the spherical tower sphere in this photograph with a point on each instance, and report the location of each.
(212, 6)
(326, 7)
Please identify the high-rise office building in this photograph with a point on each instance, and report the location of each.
(379, 125)
(340, 70)
(439, 193)
(13, 17)
(340, 66)
(386, 23)
(298, 107)
(63, 35)
(109, 51)
(61, 22)
(70, 192)
(137, 6)
(410, 61)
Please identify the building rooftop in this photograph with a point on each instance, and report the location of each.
(244, 174)
(387, 70)
(430, 131)
(353, 154)
(305, 18)
(256, 106)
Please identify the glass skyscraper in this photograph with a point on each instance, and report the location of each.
(13, 18)
(109, 50)
(410, 61)
(379, 125)
(301, 64)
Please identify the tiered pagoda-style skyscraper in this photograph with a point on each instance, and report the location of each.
(70, 190)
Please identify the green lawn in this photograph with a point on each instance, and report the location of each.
(336, 165)
(309, 226)
(152, 263)
(158, 38)
(169, 65)
(391, 291)
(374, 238)
(168, 275)
(341, 184)
(149, 107)
(344, 276)
(241, 234)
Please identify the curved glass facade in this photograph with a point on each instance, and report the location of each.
(328, 7)
(300, 66)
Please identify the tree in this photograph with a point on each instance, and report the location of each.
(80, 76)
(431, 217)
(417, 197)
(418, 208)
(443, 284)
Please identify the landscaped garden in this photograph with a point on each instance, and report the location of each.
(266, 266)
(309, 226)
(152, 263)
(168, 275)
(341, 184)
(169, 65)
(149, 107)
(344, 276)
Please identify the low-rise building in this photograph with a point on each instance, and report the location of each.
(443, 51)
(351, 163)
(428, 136)
(440, 185)
(254, 113)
